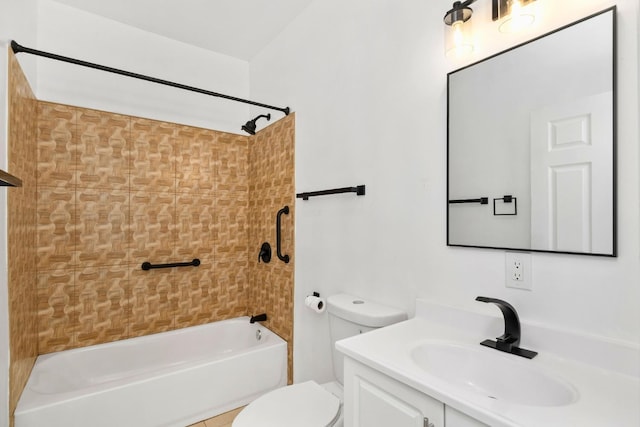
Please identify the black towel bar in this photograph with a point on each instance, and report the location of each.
(359, 190)
(481, 200)
(148, 266)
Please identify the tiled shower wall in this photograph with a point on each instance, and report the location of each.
(21, 231)
(115, 191)
(272, 187)
(104, 192)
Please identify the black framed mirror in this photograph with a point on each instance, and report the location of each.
(531, 144)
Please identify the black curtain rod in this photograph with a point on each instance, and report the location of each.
(18, 48)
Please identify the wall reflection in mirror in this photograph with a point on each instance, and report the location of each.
(536, 124)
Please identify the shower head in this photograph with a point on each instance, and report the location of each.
(250, 126)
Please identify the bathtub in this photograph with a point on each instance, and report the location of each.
(169, 379)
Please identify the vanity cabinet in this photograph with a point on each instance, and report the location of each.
(372, 399)
(458, 419)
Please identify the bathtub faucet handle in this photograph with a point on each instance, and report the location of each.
(265, 253)
(258, 318)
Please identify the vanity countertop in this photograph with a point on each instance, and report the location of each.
(603, 373)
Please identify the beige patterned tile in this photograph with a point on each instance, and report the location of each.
(153, 162)
(231, 216)
(232, 163)
(102, 228)
(102, 296)
(57, 145)
(195, 160)
(195, 234)
(195, 294)
(56, 228)
(103, 150)
(152, 306)
(19, 372)
(153, 227)
(229, 293)
(231, 254)
(56, 310)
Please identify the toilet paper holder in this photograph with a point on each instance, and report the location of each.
(315, 303)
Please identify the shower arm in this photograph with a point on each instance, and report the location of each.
(267, 116)
(18, 48)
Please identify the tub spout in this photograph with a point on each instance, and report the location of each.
(258, 318)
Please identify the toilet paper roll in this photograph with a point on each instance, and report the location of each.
(316, 304)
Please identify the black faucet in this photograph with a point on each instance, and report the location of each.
(510, 340)
(258, 318)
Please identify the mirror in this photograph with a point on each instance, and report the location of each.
(530, 147)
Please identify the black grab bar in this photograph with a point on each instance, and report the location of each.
(283, 258)
(148, 266)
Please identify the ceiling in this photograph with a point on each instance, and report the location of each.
(238, 28)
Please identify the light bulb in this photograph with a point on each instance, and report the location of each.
(516, 7)
(459, 44)
(517, 19)
(458, 35)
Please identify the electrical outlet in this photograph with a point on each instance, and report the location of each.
(518, 270)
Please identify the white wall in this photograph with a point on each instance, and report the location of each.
(17, 19)
(77, 34)
(368, 83)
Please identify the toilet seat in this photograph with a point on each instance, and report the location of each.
(305, 404)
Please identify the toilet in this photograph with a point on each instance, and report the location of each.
(310, 404)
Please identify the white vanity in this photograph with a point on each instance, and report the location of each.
(431, 371)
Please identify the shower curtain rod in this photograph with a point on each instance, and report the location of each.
(18, 48)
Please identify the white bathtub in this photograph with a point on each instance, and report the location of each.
(169, 379)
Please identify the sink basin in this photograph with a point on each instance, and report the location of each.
(493, 374)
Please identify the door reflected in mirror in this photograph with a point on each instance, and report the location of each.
(531, 144)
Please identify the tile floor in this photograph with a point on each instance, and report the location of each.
(223, 420)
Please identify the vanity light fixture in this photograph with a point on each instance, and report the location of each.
(513, 14)
(458, 35)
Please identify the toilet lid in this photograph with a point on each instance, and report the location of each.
(306, 404)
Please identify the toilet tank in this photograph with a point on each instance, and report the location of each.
(350, 315)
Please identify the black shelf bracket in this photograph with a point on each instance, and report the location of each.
(359, 190)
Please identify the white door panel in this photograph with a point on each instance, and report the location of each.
(571, 176)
